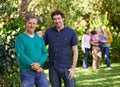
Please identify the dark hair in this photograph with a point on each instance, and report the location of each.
(29, 16)
(93, 32)
(57, 12)
(86, 30)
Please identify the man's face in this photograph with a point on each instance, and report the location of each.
(58, 21)
(31, 25)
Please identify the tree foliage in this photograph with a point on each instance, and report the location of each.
(112, 7)
(79, 14)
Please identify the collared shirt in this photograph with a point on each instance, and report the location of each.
(60, 44)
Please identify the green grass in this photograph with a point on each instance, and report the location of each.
(101, 77)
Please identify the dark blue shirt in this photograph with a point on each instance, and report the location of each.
(60, 44)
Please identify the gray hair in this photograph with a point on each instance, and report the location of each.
(98, 29)
(29, 16)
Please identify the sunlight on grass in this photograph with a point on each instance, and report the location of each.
(101, 77)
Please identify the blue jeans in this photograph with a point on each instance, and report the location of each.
(106, 55)
(56, 75)
(87, 50)
(29, 78)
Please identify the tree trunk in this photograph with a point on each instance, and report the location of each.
(23, 8)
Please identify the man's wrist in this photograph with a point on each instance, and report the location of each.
(73, 66)
(32, 64)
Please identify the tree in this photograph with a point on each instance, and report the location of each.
(112, 7)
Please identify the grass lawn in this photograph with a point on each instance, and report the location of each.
(101, 77)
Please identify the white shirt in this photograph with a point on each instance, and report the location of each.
(86, 41)
(29, 35)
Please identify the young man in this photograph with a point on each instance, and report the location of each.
(32, 54)
(61, 40)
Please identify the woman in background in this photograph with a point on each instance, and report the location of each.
(86, 47)
(106, 47)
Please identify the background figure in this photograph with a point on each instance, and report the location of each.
(106, 47)
(61, 40)
(86, 47)
(95, 48)
(32, 54)
(103, 38)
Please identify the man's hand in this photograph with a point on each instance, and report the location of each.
(39, 33)
(71, 72)
(40, 70)
(35, 66)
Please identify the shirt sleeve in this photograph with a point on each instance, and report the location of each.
(23, 58)
(83, 40)
(45, 38)
(44, 54)
(74, 39)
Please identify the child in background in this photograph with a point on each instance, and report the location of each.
(96, 52)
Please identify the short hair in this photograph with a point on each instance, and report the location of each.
(57, 12)
(29, 16)
(98, 29)
(93, 32)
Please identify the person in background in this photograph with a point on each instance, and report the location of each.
(95, 36)
(102, 38)
(62, 40)
(32, 54)
(86, 46)
(106, 47)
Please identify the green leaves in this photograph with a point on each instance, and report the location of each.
(7, 8)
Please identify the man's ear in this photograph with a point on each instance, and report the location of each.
(63, 19)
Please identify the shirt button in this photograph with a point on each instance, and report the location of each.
(55, 54)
